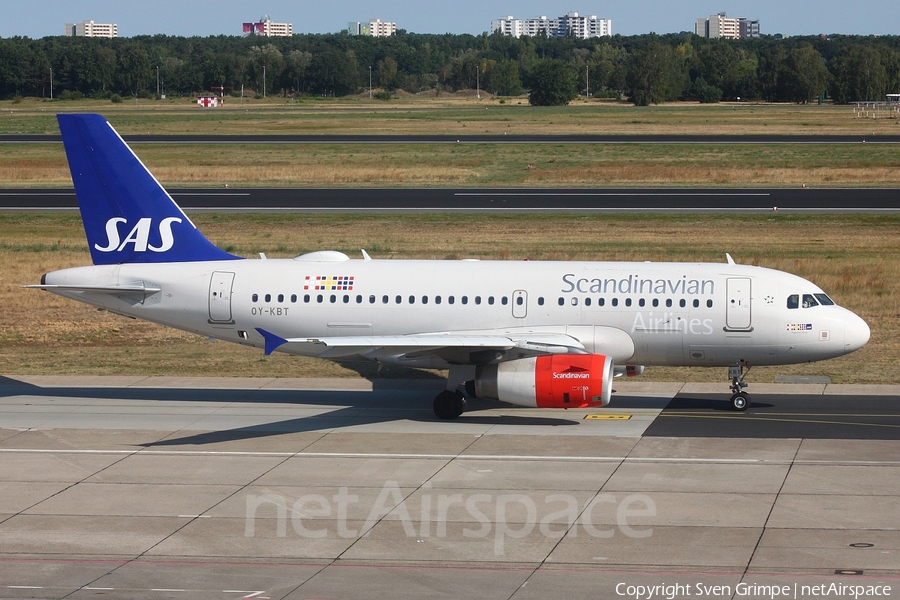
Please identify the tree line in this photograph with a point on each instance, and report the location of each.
(646, 69)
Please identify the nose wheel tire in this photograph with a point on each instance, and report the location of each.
(449, 405)
(740, 401)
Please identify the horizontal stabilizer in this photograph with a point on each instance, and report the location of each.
(102, 289)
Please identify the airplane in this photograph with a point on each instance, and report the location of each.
(550, 334)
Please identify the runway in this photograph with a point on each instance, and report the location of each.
(319, 139)
(146, 487)
(494, 200)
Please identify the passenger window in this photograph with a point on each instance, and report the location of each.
(412, 299)
(793, 301)
(255, 297)
(477, 299)
(642, 302)
(540, 301)
(655, 302)
(562, 301)
(319, 298)
(809, 301)
(398, 299)
(437, 299)
(346, 298)
(696, 303)
(306, 298)
(627, 301)
(574, 301)
(294, 298)
(359, 299)
(451, 300)
(681, 303)
(709, 303)
(424, 299)
(268, 297)
(615, 301)
(281, 297)
(385, 299)
(668, 303)
(602, 301)
(587, 301)
(491, 300)
(333, 298)
(372, 299)
(504, 300)
(465, 299)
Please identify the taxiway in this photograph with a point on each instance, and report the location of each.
(272, 488)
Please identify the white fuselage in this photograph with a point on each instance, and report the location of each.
(676, 314)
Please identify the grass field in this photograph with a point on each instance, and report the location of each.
(467, 165)
(448, 114)
(854, 257)
(482, 165)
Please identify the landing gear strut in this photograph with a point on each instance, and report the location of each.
(449, 404)
(740, 400)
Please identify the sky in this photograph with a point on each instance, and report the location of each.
(40, 18)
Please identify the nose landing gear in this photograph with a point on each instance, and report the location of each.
(740, 400)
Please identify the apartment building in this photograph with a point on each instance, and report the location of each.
(580, 26)
(268, 28)
(374, 27)
(91, 29)
(722, 26)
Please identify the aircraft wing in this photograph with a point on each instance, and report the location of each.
(452, 348)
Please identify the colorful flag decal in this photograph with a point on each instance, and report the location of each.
(329, 283)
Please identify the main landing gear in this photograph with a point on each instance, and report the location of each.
(449, 404)
(740, 400)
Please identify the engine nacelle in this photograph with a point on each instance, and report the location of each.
(556, 381)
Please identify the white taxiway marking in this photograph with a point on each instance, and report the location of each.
(403, 456)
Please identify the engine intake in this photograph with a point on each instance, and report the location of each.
(556, 381)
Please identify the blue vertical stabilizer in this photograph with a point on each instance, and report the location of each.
(128, 216)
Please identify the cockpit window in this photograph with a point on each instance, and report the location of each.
(824, 300)
(793, 301)
(809, 301)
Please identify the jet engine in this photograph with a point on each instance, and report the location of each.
(555, 381)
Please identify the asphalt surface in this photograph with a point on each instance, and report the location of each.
(481, 200)
(162, 487)
(781, 416)
(476, 139)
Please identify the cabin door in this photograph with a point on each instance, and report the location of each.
(737, 307)
(220, 297)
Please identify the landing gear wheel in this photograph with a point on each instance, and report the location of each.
(449, 405)
(740, 401)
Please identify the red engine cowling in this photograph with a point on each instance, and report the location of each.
(556, 381)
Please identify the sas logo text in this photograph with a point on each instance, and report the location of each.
(139, 235)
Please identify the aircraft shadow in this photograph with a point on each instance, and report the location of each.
(351, 408)
(716, 403)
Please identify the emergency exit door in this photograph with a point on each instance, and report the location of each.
(520, 304)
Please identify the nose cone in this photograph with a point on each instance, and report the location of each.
(856, 333)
